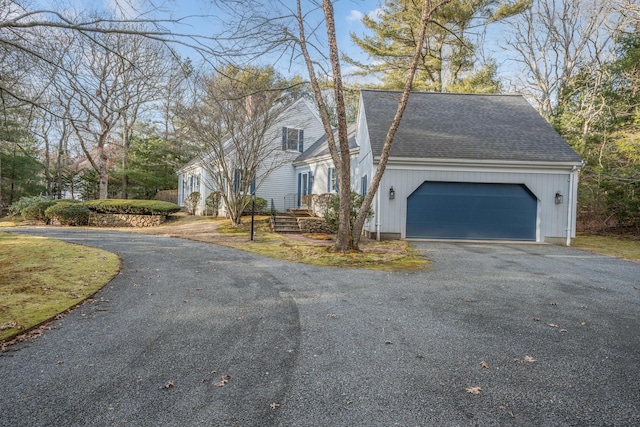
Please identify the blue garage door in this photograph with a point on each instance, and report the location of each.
(474, 211)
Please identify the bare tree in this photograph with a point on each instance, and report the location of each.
(144, 67)
(27, 29)
(553, 39)
(92, 84)
(234, 118)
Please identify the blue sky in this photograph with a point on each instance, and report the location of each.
(348, 15)
(205, 19)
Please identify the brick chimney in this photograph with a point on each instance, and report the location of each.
(254, 104)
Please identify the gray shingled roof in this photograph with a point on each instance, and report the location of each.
(321, 148)
(460, 126)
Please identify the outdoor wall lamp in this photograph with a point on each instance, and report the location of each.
(392, 193)
(558, 198)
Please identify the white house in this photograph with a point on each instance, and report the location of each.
(462, 167)
(293, 133)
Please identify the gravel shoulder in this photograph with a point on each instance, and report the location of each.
(557, 328)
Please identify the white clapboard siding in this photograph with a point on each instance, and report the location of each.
(552, 218)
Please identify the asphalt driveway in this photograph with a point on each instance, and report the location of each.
(191, 334)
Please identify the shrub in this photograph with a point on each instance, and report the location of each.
(25, 202)
(331, 215)
(68, 213)
(319, 203)
(35, 211)
(191, 202)
(212, 203)
(135, 207)
(260, 205)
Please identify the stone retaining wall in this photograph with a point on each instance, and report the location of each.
(314, 225)
(125, 220)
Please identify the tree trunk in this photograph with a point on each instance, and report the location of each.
(343, 236)
(427, 12)
(103, 173)
(343, 240)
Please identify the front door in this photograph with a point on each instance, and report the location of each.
(304, 185)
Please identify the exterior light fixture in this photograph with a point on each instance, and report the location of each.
(558, 198)
(392, 193)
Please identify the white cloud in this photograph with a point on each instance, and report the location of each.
(354, 15)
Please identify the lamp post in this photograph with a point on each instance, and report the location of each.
(253, 205)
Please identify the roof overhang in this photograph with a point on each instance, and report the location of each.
(353, 153)
(420, 163)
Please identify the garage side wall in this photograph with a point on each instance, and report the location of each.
(552, 218)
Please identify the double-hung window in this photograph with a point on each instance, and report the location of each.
(292, 139)
(241, 180)
(332, 180)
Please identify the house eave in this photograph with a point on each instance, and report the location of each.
(353, 153)
(479, 163)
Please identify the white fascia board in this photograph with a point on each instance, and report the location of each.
(477, 165)
(188, 168)
(353, 154)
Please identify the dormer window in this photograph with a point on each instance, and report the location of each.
(292, 139)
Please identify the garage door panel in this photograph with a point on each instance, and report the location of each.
(482, 211)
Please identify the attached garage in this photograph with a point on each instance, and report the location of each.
(467, 167)
(473, 211)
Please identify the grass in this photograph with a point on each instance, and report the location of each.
(609, 245)
(9, 221)
(41, 277)
(315, 249)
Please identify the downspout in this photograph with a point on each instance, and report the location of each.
(378, 214)
(570, 205)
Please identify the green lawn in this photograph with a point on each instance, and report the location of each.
(41, 277)
(609, 245)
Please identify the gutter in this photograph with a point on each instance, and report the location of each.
(378, 214)
(480, 163)
(570, 204)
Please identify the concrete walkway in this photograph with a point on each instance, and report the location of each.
(192, 334)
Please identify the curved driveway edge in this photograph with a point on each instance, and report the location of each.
(557, 328)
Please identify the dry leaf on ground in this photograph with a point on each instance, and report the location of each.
(8, 325)
(526, 359)
(223, 381)
(474, 389)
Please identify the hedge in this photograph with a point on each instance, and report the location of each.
(134, 207)
(260, 205)
(25, 202)
(68, 213)
(35, 211)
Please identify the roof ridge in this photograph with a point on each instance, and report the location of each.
(519, 95)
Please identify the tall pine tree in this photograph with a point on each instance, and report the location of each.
(448, 62)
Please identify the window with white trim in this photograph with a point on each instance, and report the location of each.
(332, 180)
(292, 139)
(242, 178)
